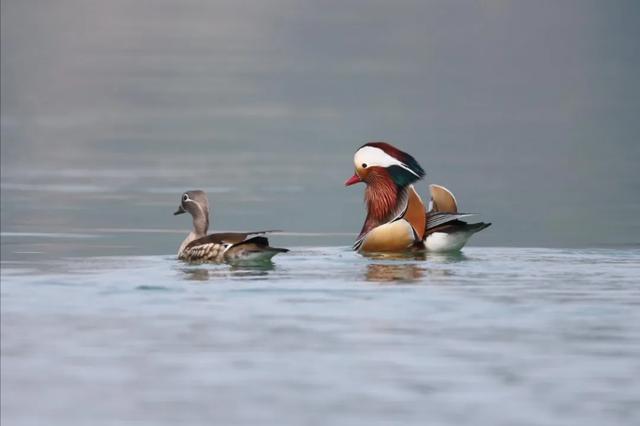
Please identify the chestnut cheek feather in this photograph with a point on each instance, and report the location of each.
(381, 195)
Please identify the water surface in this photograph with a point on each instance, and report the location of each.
(325, 336)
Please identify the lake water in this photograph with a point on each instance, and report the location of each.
(492, 336)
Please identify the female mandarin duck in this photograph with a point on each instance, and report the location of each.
(396, 216)
(223, 247)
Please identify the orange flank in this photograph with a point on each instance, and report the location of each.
(392, 236)
(415, 213)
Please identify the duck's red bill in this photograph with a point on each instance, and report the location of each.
(353, 179)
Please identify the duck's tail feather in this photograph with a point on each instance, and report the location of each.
(476, 227)
(268, 231)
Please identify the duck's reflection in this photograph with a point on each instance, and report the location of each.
(410, 267)
(394, 273)
(196, 274)
(410, 255)
(449, 257)
(204, 273)
(252, 270)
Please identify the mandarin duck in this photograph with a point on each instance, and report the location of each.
(397, 219)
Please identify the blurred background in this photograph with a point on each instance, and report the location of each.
(527, 111)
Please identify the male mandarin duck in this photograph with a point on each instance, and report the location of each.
(222, 247)
(396, 216)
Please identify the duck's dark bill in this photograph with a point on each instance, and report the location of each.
(179, 211)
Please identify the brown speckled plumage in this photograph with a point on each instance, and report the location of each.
(204, 253)
(221, 247)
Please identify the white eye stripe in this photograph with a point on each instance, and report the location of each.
(372, 156)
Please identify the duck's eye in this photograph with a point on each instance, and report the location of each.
(364, 165)
(185, 197)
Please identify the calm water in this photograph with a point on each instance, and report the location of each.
(324, 336)
(111, 109)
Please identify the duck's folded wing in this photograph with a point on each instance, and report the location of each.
(460, 226)
(252, 249)
(435, 219)
(225, 238)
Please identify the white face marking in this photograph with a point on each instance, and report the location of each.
(369, 156)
